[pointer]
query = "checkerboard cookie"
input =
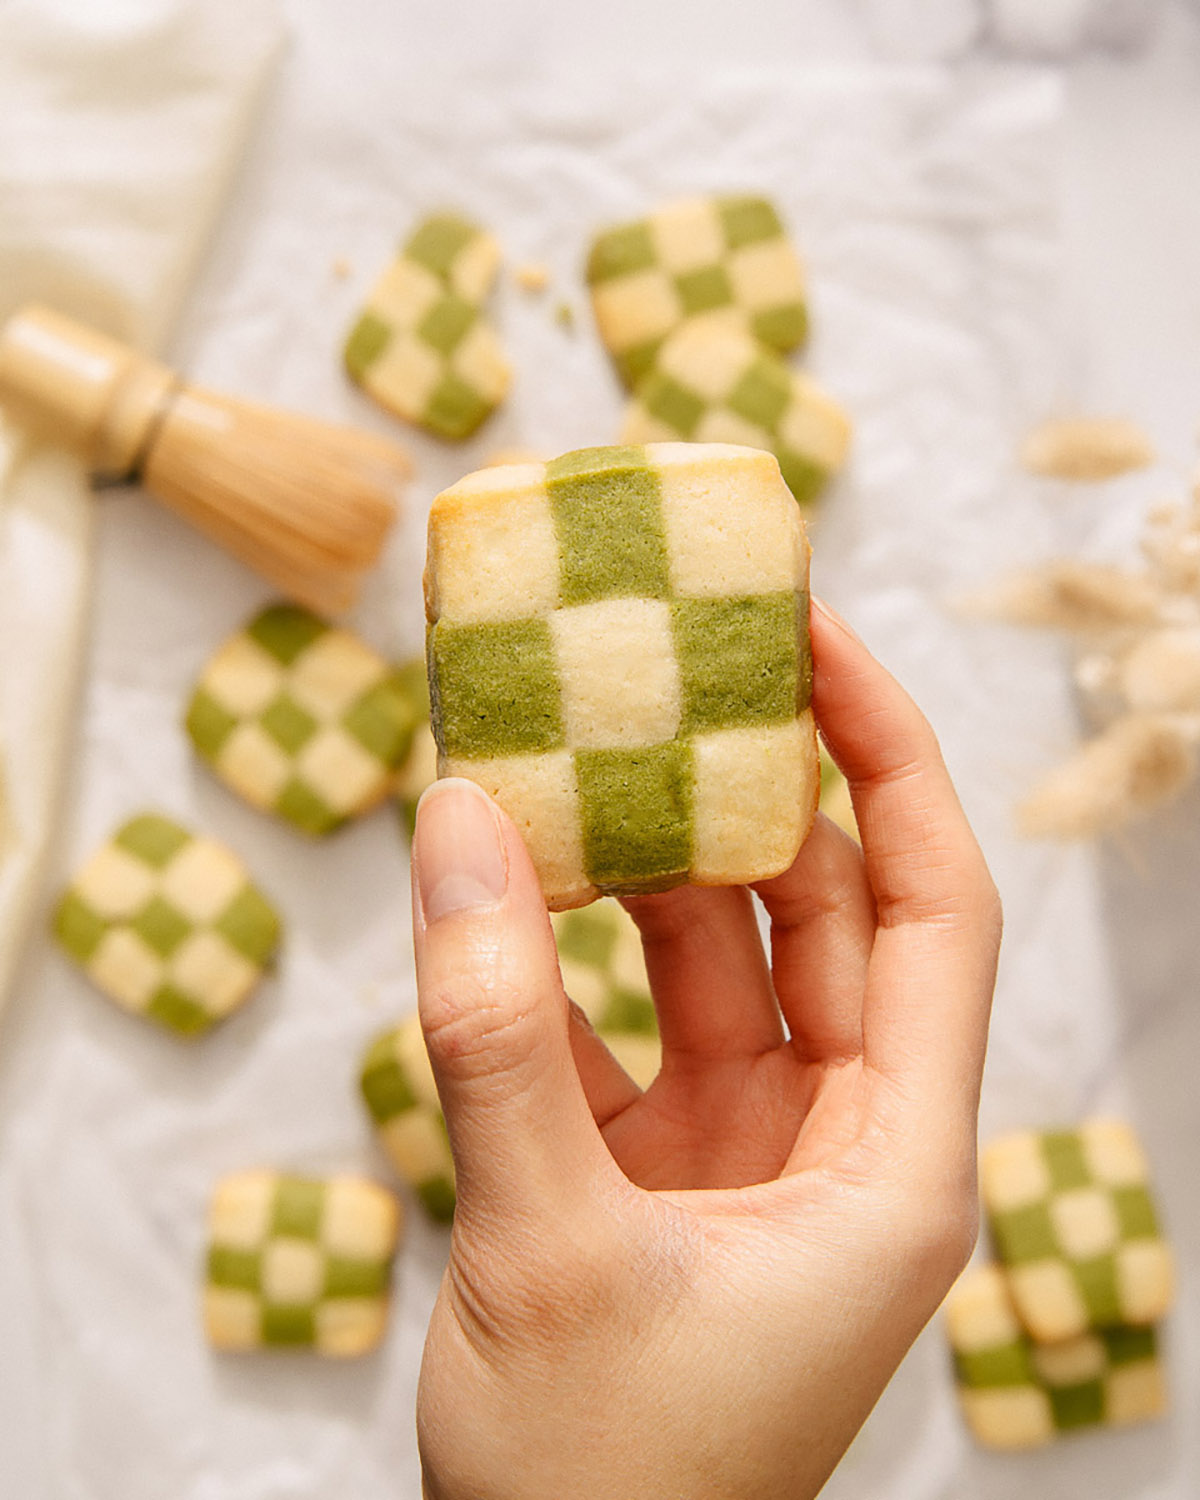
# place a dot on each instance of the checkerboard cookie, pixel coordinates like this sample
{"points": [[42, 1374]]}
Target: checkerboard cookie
{"points": [[168, 924], [720, 385], [1016, 1393], [604, 972], [722, 261], [1075, 1228], [302, 719], [422, 347], [618, 653], [401, 1098], [299, 1262], [419, 768]]}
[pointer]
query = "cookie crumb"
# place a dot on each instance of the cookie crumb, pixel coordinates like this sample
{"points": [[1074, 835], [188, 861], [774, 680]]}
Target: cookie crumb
{"points": [[533, 276]]}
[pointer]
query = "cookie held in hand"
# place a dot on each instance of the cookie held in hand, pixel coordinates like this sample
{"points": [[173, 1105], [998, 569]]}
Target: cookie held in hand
{"points": [[618, 653]]}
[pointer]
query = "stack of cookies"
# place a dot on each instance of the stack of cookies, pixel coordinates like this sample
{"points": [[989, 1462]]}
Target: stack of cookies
{"points": [[1061, 1332], [698, 303]]}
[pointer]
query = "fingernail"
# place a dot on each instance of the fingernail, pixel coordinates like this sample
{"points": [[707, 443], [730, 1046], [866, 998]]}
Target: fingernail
{"points": [[831, 614], [458, 853]]}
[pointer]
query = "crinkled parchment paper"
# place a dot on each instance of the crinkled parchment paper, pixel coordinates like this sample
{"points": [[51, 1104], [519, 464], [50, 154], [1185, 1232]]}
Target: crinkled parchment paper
{"points": [[925, 208]]}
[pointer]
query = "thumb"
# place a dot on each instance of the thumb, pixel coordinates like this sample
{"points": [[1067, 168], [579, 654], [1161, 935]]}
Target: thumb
{"points": [[495, 1015]]}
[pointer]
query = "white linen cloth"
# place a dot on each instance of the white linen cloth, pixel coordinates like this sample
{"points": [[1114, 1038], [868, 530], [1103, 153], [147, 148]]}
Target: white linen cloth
{"points": [[120, 126]]}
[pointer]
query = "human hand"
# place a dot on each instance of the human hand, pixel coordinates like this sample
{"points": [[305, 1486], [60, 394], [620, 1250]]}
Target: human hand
{"points": [[700, 1291]]}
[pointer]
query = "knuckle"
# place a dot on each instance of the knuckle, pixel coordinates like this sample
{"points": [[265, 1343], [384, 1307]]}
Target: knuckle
{"points": [[472, 1022]]}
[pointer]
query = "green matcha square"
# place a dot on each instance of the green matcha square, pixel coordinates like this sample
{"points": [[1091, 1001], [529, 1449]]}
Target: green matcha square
{"points": [[1096, 1279], [368, 339], [161, 927], [739, 662], [496, 688], [285, 630], [1025, 1234], [447, 323], [636, 812], [782, 327], [607, 508], [230, 1267], [673, 403], [289, 725], [622, 252], [762, 394], [702, 291], [297, 1208], [437, 242], [746, 220], [306, 809], [208, 724], [286, 1326], [170, 1007], [78, 928], [455, 409], [152, 838], [250, 925]]}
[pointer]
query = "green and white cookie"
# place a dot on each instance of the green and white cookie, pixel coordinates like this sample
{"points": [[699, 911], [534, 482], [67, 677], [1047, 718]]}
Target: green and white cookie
{"points": [[401, 1097], [618, 651], [1075, 1228], [1016, 1393], [419, 769], [720, 385], [168, 924], [299, 1262], [422, 346], [302, 719], [718, 262], [604, 972]]}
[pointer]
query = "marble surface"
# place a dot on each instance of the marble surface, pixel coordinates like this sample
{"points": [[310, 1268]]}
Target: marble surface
{"points": [[1066, 277]]}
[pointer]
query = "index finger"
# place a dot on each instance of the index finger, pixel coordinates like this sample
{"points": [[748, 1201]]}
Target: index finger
{"points": [[933, 963]]}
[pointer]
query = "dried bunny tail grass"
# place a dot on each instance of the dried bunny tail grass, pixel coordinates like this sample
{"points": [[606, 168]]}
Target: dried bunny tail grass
{"points": [[1086, 448], [1160, 673], [1137, 764], [1082, 597], [307, 504]]}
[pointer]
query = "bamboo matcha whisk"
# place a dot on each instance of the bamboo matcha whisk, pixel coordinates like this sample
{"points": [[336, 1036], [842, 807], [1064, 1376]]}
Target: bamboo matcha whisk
{"points": [[306, 504]]}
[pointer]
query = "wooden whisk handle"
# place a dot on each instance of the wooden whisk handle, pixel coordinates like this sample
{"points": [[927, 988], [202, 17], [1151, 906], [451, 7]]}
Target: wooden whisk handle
{"points": [[82, 389]]}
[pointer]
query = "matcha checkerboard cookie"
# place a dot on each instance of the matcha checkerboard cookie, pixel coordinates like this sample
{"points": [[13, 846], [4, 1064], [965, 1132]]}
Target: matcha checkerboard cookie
{"points": [[422, 347], [401, 1098], [604, 972], [1016, 1393], [302, 719], [722, 261], [1075, 1228], [299, 1262], [618, 653], [719, 385], [168, 924], [419, 767]]}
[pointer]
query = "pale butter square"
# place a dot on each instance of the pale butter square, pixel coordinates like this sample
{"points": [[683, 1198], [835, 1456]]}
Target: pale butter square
{"points": [[115, 883], [755, 794], [126, 968], [618, 673], [203, 879], [716, 550], [494, 555]]}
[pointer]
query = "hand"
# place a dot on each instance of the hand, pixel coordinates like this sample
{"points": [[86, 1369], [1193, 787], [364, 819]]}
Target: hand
{"points": [[700, 1291]]}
